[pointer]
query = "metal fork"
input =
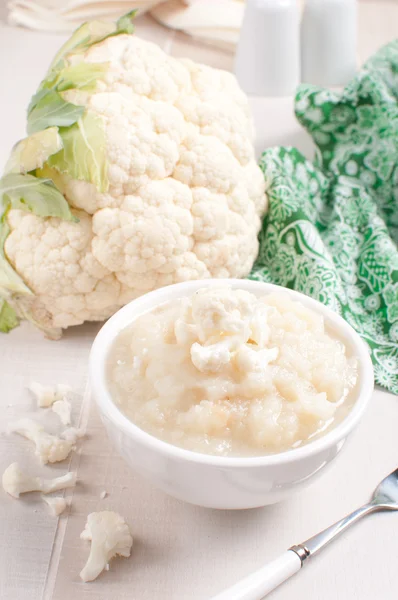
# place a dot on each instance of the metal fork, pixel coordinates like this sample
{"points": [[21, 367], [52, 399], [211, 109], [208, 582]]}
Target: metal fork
{"points": [[262, 582]]}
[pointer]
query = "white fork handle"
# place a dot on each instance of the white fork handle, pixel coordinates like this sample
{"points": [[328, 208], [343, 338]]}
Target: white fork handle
{"points": [[262, 582]]}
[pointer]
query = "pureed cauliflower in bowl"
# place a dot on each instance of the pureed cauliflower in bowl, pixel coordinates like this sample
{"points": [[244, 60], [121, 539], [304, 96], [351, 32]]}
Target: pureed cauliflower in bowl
{"points": [[226, 372], [230, 393]]}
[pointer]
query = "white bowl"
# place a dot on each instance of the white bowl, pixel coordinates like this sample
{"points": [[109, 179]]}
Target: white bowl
{"points": [[217, 481]]}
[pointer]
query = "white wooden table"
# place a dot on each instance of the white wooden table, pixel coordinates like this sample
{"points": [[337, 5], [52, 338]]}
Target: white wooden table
{"points": [[181, 552]]}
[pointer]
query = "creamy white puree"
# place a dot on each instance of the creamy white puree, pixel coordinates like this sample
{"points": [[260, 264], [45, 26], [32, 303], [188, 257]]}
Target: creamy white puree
{"points": [[225, 372]]}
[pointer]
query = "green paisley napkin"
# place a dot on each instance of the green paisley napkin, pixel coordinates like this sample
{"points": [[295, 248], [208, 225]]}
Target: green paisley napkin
{"points": [[332, 227]]}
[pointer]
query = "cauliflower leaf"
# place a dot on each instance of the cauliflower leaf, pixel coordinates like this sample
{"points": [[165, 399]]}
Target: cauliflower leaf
{"points": [[83, 156], [8, 317], [47, 107], [52, 110], [84, 152], [10, 281], [125, 23], [82, 76], [90, 33], [32, 152], [85, 36], [33, 194]]}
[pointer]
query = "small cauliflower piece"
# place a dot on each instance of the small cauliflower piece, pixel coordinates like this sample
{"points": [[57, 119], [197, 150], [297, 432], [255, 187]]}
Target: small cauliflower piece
{"points": [[224, 323], [16, 482], [57, 504], [49, 448], [103, 494], [110, 536], [63, 409], [72, 434], [210, 359], [46, 395]]}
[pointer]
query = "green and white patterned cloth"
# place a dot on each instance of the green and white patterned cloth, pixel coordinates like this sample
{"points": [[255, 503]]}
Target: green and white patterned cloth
{"points": [[332, 227]]}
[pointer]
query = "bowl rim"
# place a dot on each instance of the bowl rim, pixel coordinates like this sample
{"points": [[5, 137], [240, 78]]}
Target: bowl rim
{"points": [[137, 307]]}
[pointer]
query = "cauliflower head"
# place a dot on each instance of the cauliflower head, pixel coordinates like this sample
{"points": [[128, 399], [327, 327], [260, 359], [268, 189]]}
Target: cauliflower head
{"points": [[154, 158]]}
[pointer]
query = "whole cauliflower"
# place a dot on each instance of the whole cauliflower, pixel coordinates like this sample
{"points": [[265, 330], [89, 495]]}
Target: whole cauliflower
{"points": [[158, 167]]}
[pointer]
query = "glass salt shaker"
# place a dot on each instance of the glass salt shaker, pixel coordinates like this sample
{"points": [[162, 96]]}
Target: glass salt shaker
{"points": [[267, 61], [329, 42]]}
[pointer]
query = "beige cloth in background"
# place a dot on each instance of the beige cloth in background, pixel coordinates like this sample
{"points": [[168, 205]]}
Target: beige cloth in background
{"points": [[60, 16], [216, 22]]}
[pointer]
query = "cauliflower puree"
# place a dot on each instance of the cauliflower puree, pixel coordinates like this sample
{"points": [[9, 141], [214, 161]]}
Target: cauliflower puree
{"points": [[225, 372]]}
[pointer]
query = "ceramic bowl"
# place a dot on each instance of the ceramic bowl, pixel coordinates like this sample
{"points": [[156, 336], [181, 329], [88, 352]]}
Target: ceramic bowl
{"points": [[217, 481]]}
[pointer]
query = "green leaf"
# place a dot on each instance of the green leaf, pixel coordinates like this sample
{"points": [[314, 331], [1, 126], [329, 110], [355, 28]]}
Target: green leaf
{"points": [[83, 156], [125, 23], [88, 34], [8, 317], [91, 33], [83, 76], [32, 152], [31, 194], [85, 36], [36, 98], [53, 110], [10, 281]]}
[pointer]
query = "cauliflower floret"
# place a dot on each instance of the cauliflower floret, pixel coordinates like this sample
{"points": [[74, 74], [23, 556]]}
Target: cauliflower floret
{"points": [[63, 409], [225, 323], [54, 397], [56, 504], [185, 195], [72, 434], [210, 359], [219, 313], [58, 266], [49, 448], [46, 395], [16, 482], [110, 536]]}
